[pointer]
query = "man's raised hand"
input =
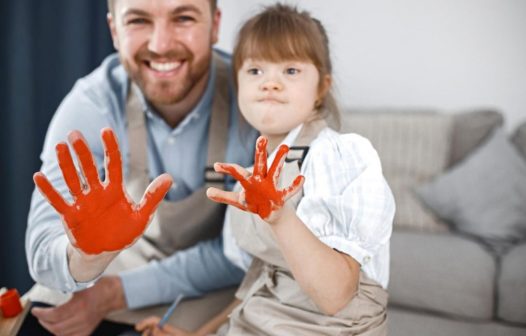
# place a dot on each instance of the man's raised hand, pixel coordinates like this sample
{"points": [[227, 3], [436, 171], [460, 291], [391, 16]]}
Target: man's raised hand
{"points": [[101, 218]]}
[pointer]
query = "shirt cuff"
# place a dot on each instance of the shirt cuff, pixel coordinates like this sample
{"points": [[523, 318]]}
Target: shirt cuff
{"points": [[351, 248], [140, 287], [59, 254]]}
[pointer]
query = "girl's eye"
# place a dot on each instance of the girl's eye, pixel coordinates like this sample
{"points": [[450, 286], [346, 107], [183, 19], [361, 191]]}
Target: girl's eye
{"points": [[292, 71], [254, 71]]}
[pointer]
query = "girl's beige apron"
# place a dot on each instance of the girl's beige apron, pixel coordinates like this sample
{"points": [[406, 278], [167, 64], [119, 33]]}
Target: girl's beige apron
{"points": [[273, 303], [176, 225]]}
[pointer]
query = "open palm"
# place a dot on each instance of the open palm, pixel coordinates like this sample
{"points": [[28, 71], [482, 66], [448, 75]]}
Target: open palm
{"points": [[101, 218], [260, 194]]}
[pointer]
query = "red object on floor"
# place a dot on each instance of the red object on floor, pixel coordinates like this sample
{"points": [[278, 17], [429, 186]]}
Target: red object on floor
{"points": [[10, 303]]}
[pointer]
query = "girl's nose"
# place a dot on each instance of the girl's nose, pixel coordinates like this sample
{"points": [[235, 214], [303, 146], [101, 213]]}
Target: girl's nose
{"points": [[271, 84]]}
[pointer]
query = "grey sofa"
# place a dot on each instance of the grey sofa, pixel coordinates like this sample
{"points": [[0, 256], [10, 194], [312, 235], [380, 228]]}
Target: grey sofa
{"points": [[443, 281]]}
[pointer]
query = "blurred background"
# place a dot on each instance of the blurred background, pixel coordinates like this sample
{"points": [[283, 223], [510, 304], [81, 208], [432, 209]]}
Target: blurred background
{"points": [[447, 54]]}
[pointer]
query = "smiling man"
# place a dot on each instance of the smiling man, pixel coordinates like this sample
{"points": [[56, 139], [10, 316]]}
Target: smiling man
{"points": [[168, 96]]}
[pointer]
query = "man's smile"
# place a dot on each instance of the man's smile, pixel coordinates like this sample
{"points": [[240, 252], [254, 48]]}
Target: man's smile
{"points": [[164, 69]]}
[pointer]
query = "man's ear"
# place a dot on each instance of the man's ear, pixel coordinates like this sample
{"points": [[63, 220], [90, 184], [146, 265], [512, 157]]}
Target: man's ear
{"points": [[216, 21], [113, 30]]}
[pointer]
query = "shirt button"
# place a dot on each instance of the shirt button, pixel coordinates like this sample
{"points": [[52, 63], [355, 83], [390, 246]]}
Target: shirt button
{"points": [[171, 140], [366, 259]]}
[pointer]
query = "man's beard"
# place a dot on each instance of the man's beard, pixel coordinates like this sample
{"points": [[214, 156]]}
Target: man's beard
{"points": [[168, 92]]}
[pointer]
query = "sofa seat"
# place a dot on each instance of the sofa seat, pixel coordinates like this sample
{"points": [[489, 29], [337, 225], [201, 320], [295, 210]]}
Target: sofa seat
{"points": [[512, 286], [402, 322], [442, 273]]}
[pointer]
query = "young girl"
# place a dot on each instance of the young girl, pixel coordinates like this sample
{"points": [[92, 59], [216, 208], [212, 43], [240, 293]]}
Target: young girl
{"points": [[313, 234]]}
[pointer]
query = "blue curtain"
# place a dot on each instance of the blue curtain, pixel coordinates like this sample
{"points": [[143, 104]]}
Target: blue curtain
{"points": [[44, 47]]}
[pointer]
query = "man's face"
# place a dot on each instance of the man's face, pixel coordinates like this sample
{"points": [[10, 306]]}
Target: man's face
{"points": [[165, 45]]}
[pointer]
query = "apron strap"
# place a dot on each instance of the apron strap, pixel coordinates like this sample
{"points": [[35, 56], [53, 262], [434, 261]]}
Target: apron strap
{"points": [[218, 129], [137, 137], [299, 150]]}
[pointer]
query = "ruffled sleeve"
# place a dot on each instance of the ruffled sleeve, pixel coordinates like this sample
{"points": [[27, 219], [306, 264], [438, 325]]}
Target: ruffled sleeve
{"points": [[347, 203]]}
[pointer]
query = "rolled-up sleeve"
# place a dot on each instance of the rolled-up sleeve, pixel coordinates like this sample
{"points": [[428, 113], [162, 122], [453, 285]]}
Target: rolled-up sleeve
{"points": [[347, 203]]}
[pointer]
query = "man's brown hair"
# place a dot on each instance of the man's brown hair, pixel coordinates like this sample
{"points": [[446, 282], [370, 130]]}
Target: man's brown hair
{"points": [[111, 5]]}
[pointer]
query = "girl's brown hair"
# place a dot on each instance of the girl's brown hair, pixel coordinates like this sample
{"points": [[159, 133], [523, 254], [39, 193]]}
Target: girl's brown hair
{"points": [[283, 33]]}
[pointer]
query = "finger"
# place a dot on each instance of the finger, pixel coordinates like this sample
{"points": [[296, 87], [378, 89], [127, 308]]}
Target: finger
{"points": [[68, 327], [226, 197], [53, 314], [154, 194], [277, 164], [147, 322], [169, 330], [166, 330], [234, 170], [50, 193], [49, 327], [260, 157], [112, 157], [296, 186], [87, 163], [68, 169]]}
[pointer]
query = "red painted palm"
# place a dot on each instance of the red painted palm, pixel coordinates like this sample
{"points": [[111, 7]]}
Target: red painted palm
{"points": [[260, 194], [101, 218]]}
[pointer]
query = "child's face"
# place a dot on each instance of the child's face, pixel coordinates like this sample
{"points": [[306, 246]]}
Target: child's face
{"points": [[276, 97]]}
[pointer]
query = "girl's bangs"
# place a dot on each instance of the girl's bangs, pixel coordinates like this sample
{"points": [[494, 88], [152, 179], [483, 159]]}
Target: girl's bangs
{"points": [[274, 44]]}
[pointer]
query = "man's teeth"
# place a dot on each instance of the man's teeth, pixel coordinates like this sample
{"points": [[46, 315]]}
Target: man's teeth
{"points": [[164, 67]]}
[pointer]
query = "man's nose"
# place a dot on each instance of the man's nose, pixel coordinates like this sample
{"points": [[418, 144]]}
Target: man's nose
{"points": [[161, 39]]}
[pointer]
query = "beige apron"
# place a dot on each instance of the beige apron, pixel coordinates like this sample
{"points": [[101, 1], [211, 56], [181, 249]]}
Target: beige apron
{"points": [[176, 225], [273, 303], [181, 224]]}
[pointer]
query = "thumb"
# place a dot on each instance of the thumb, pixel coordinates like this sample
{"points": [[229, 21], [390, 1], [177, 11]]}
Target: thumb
{"points": [[293, 188], [154, 194]]}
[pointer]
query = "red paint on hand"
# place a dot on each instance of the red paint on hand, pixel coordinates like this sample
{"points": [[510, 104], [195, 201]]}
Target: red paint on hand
{"points": [[102, 218], [260, 195]]}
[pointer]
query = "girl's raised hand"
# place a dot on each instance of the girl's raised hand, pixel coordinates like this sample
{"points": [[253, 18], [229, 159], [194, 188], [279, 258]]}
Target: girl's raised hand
{"points": [[101, 217], [259, 194]]}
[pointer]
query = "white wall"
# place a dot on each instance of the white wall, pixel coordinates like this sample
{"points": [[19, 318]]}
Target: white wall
{"points": [[446, 54]]}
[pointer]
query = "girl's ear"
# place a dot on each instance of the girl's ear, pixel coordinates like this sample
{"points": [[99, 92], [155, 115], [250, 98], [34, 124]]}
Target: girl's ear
{"points": [[324, 87]]}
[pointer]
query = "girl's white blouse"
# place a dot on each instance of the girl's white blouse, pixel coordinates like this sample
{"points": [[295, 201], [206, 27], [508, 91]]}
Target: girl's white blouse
{"points": [[347, 203]]}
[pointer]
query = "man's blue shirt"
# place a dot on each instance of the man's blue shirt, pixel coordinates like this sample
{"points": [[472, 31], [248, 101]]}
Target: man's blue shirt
{"points": [[97, 101]]}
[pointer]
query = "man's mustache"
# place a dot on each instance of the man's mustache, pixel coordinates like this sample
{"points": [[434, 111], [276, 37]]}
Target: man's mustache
{"points": [[176, 54]]}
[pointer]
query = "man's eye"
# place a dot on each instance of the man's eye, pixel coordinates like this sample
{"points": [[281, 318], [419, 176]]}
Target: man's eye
{"points": [[292, 71], [184, 19], [137, 21], [254, 71]]}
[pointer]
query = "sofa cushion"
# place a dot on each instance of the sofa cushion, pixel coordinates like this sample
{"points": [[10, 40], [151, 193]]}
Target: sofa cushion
{"points": [[402, 322], [442, 272], [512, 285], [519, 138], [485, 194], [413, 148], [470, 129]]}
